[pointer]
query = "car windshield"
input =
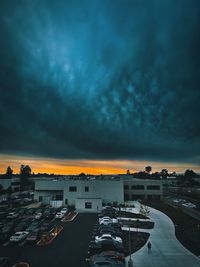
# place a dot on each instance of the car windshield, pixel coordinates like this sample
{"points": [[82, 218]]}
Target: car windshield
{"points": [[17, 234]]}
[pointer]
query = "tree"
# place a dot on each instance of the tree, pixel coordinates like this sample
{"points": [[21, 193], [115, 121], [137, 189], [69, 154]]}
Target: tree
{"points": [[128, 172], [148, 169], [189, 174], [9, 172], [25, 173], [144, 210], [164, 173], [155, 175]]}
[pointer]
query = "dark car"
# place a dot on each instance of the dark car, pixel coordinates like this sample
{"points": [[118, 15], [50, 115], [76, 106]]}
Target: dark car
{"points": [[7, 229], [33, 237], [105, 261], [4, 262], [48, 215], [105, 245], [119, 256], [4, 237], [20, 227]]}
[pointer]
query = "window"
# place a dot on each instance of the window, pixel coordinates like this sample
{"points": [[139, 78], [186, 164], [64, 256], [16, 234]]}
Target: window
{"points": [[88, 205], [137, 187], [126, 197], [126, 187], [86, 188], [72, 189], [59, 197], [66, 201], [153, 187]]}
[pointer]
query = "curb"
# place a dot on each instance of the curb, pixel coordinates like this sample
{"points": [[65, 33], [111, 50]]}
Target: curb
{"points": [[71, 219], [51, 235]]}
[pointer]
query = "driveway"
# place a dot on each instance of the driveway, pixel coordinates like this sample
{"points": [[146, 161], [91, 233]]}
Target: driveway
{"points": [[167, 251]]}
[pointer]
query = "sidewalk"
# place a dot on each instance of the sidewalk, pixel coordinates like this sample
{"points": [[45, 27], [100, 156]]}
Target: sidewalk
{"points": [[167, 251]]}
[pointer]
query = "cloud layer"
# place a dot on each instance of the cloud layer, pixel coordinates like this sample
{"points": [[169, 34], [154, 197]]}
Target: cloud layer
{"points": [[100, 79]]}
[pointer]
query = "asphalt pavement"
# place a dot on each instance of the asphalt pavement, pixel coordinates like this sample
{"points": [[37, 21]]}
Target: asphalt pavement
{"points": [[69, 249]]}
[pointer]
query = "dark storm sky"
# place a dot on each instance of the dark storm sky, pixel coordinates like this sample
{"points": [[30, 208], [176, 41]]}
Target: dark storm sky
{"points": [[107, 79]]}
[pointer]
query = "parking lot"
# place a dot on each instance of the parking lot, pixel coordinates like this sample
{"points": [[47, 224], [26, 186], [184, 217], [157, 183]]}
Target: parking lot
{"points": [[69, 248]]}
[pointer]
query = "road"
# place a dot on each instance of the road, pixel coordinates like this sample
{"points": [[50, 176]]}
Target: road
{"points": [[68, 249], [167, 251]]}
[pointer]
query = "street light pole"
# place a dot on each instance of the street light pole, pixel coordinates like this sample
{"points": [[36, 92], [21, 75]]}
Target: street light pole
{"points": [[130, 262]]}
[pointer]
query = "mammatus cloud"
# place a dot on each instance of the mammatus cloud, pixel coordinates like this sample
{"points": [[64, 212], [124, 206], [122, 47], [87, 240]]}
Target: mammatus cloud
{"points": [[101, 79]]}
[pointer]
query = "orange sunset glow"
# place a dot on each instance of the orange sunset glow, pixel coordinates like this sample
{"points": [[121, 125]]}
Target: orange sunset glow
{"points": [[64, 166]]}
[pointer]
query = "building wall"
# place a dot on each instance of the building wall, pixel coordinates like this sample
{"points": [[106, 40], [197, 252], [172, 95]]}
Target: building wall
{"points": [[139, 188], [95, 204], [108, 190], [5, 183]]}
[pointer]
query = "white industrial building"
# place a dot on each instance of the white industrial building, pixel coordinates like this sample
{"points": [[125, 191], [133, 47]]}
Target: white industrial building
{"points": [[89, 194]]}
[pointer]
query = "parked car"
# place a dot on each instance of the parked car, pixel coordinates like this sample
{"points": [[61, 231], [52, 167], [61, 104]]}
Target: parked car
{"points": [[189, 205], [105, 245], [7, 228], [64, 210], [38, 215], [4, 262], [120, 256], [106, 261], [105, 218], [105, 221], [19, 236], [48, 215], [20, 227], [60, 215], [107, 237], [107, 258], [12, 215], [32, 226], [32, 237]]}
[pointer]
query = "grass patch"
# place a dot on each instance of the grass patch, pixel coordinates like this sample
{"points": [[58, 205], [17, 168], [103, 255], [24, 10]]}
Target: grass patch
{"points": [[138, 240], [128, 214], [138, 224]]}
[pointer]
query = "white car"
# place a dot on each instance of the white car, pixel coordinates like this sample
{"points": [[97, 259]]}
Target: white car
{"points": [[189, 205], [107, 237], [38, 215], [60, 215], [18, 236], [105, 218], [64, 210], [105, 221]]}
